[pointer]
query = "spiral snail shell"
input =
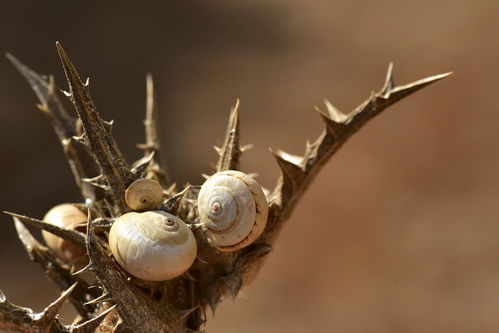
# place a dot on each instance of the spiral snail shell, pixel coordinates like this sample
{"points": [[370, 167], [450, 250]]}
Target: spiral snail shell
{"points": [[153, 245], [65, 216], [144, 194], [233, 208]]}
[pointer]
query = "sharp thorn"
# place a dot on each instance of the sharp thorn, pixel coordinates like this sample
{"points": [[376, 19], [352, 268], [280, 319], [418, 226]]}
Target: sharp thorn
{"points": [[333, 127], [172, 204], [389, 81], [335, 114], [218, 150], [230, 150], [50, 312], [29, 242], [95, 286], [90, 325], [247, 147], [233, 284], [139, 168], [290, 158], [184, 313], [90, 267], [414, 86], [102, 298], [67, 234], [213, 301]]}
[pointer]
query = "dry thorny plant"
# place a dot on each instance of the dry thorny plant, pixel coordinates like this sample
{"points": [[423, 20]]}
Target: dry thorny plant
{"points": [[106, 297]]}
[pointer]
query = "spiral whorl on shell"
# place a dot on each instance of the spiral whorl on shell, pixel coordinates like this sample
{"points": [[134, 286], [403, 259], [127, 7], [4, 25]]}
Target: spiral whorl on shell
{"points": [[144, 194], [153, 246], [233, 208]]}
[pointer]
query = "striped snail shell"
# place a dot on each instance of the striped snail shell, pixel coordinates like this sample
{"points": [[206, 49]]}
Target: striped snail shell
{"points": [[233, 208], [65, 216], [153, 245]]}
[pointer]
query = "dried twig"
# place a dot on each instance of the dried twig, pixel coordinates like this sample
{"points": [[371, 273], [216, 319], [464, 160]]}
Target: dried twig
{"points": [[14, 318], [157, 168], [231, 149], [297, 172], [97, 136], [65, 126]]}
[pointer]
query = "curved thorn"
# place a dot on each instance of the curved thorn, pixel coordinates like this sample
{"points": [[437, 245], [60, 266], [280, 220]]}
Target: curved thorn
{"points": [[90, 325], [48, 315], [70, 235], [389, 81]]}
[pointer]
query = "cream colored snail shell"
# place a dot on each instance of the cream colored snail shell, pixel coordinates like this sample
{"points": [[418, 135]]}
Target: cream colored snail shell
{"points": [[65, 216], [233, 208], [153, 245], [144, 194]]}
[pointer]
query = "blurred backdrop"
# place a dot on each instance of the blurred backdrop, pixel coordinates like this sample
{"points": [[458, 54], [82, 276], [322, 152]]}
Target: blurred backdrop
{"points": [[399, 233]]}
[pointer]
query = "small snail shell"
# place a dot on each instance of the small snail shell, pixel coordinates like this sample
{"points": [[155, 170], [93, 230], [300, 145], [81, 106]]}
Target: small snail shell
{"points": [[234, 209], [144, 194], [65, 216], [153, 246]]}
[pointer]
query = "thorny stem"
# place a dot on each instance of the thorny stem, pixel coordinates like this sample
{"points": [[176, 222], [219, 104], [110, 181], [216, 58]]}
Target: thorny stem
{"points": [[97, 136], [231, 149], [156, 168], [65, 127], [57, 271], [297, 172], [177, 305]]}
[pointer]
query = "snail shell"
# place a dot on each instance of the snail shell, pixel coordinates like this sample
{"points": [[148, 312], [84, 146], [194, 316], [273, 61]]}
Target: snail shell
{"points": [[233, 208], [65, 216], [153, 246], [144, 194]]}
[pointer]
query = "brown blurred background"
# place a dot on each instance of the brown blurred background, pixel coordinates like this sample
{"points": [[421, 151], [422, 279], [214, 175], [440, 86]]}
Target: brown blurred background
{"points": [[400, 231]]}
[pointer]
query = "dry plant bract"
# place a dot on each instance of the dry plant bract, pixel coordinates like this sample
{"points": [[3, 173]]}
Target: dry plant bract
{"points": [[235, 225]]}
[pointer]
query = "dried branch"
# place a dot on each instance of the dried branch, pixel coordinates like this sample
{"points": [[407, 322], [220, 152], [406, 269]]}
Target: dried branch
{"points": [[157, 168], [59, 273], [297, 172], [70, 235], [14, 318], [65, 126], [97, 136]]}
